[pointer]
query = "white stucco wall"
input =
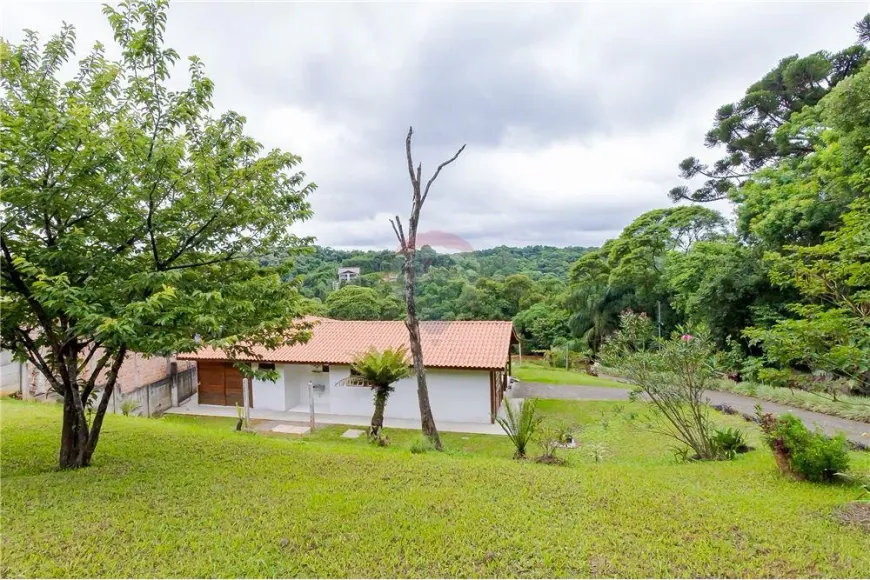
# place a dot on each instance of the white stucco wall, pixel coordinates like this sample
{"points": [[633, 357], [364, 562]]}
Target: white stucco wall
{"points": [[455, 395], [292, 380], [356, 401], [296, 387], [269, 394]]}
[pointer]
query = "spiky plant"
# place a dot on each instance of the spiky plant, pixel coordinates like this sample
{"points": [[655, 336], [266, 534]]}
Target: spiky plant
{"points": [[520, 423]]}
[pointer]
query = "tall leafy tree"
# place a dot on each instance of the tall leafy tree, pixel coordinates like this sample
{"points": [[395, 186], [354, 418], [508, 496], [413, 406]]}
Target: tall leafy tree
{"points": [[541, 325], [354, 302], [629, 271], [830, 326], [750, 129], [798, 200], [132, 216], [832, 329], [724, 286]]}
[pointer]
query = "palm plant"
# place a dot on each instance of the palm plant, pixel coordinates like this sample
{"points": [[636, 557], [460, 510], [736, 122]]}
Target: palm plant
{"points": [[520, 423], [596, 310], [379, 370]]}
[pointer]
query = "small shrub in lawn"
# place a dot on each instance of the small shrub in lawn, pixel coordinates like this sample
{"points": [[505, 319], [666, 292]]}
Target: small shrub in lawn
{"points": [[805, 454], [422, 444], [552, 437], [379, 439], [597, 452], [728, 442], [128, 406], [520, 423]]}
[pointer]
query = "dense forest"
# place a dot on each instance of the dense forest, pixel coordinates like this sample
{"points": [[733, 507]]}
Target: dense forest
{"points": [[528, 285], [782, 289], [785, 289]]}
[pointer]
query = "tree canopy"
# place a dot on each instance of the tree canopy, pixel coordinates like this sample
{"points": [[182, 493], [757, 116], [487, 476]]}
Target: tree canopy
{"points": [[755, 132], [132, 215]]}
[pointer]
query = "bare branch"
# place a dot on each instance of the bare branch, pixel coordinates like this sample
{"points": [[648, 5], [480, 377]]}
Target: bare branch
{"points": [[400, 234], [437, 171], [410, 159], [92, 380], [417, 182]]}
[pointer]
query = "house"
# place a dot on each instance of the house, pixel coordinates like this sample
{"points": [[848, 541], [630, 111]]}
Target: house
{"points": [[347, 274], [467, 366]]}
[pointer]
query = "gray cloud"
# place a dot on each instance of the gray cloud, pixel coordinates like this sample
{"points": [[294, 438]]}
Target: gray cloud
{"points": [[575, 115]]}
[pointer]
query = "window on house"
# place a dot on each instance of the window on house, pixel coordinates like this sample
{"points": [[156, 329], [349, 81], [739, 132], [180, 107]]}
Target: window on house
{"points": [[325, 369], [267, 366]]}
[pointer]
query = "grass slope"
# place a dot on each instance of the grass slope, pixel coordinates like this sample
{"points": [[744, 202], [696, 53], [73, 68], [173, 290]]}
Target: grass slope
{"points": [[539, 373], [189, 497]]}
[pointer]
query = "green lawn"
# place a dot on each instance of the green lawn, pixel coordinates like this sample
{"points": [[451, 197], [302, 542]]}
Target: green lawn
{"points": [[539, 373], [183, 497]]}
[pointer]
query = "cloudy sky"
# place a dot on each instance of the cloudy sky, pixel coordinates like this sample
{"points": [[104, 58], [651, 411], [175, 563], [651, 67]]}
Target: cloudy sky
{"points": [[574, 115]]}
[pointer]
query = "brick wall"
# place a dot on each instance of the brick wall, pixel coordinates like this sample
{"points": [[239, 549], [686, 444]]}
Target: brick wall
{"points": [[137, 371]]}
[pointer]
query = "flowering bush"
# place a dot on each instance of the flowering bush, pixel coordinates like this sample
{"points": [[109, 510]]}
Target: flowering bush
{"points": [[673, 374]]}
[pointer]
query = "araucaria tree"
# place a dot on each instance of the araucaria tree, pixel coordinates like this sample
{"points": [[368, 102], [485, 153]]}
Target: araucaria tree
{"points": [[131, 216], [379, 370], [408, 248]]}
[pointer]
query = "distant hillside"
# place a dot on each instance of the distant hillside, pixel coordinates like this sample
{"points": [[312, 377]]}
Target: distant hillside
{"points": [[318, 269]]}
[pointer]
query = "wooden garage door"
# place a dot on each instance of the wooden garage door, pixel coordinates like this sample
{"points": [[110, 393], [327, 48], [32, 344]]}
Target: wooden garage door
{"points": [[220, 384]]}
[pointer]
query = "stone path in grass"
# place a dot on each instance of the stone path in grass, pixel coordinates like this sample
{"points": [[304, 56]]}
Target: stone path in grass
{"points": [[855, 431]]}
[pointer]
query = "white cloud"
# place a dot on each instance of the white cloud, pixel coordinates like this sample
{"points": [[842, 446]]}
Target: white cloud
{"points": [[576, 115]]}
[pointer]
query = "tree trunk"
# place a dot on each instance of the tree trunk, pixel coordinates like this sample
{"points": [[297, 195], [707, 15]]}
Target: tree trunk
{"points": [[426, 418], [78, 440], [408, 247], [378, 416], [73, 436]]}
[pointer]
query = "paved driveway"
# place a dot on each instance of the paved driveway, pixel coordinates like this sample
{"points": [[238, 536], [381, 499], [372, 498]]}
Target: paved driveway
{"points": [[855, 430]]}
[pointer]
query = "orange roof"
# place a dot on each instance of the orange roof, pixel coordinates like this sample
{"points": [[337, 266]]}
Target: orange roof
{"points": [[455, 344]]}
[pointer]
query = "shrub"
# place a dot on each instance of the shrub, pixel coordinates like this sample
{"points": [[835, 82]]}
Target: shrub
{"points": [[422, 444], [520, 423], [805, 454], [751, 368], [673, 374], [128, 406], [559, 357], [728, 442], [598, 452], [552, 436]]}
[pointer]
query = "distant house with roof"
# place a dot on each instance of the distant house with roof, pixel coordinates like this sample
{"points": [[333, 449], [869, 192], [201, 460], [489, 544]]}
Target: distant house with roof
{"points": [[467, 366], [347, 274]]}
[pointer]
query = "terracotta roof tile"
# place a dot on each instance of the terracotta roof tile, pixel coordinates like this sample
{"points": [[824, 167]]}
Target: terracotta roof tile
{"points": [[454, 344]]}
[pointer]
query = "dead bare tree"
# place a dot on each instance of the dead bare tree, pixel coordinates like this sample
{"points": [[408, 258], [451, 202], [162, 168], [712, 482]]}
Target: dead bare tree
{"points": [[408, 248]]}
